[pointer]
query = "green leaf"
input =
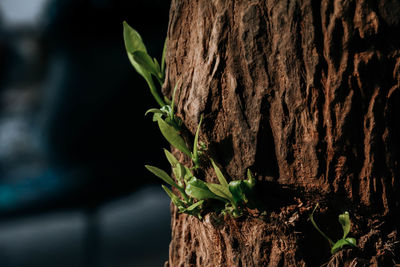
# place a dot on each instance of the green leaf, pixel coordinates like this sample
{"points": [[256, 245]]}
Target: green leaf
{"points": [[174, 198], [167, 110], [179, 172], [195, 156], [195, 205], [143, 72], [171, 158], [248, 185], [198, 189], [338, 245], [133, 40], [219, 174], [173, 137], [163, 57], [221, 191], [157, 116], [154, 111], [250, 182], [167, 100], [145, 62], [157, 66], [344, 220], [134, 43], [173, 101], [178, 169], [187, 174], [341, 243], [160, 74], [236, 189], [352, 241], [162, 174]]}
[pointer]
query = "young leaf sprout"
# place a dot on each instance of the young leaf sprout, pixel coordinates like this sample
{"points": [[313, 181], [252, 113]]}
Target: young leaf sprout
{"points": [[344, 220], [142, 62]]}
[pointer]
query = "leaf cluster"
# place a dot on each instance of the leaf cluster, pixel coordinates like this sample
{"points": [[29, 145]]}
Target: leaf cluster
{"points": [[192, 191], [235, 193], [185, 203]]}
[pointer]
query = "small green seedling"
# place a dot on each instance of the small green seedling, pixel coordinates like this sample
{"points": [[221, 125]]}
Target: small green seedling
{"points": [[344, 220]]}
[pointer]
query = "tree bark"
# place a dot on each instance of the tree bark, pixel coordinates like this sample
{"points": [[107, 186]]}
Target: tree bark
{"points": [[306, 94]]}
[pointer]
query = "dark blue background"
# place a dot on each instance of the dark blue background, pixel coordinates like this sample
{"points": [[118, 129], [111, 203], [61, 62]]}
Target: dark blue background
{"points": [[74, 139]]}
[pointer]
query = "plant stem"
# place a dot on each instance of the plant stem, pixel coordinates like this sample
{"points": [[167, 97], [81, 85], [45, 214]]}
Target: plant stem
{"points": [[183, 193], [319, 230], [154, 92]]}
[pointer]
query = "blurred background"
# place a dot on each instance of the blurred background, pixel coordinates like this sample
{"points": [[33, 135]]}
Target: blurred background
{"points": [[74, 139]]}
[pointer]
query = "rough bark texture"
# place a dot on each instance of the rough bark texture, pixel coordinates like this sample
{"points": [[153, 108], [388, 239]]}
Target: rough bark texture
{"points": [[306, 95]]}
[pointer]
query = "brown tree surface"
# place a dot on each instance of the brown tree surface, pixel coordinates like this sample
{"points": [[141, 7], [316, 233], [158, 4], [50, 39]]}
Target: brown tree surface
{"points": [[305, 94]]}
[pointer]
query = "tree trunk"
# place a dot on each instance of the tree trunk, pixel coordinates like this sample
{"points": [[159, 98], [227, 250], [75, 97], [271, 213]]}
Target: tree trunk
{"points": [[306, 94]]}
